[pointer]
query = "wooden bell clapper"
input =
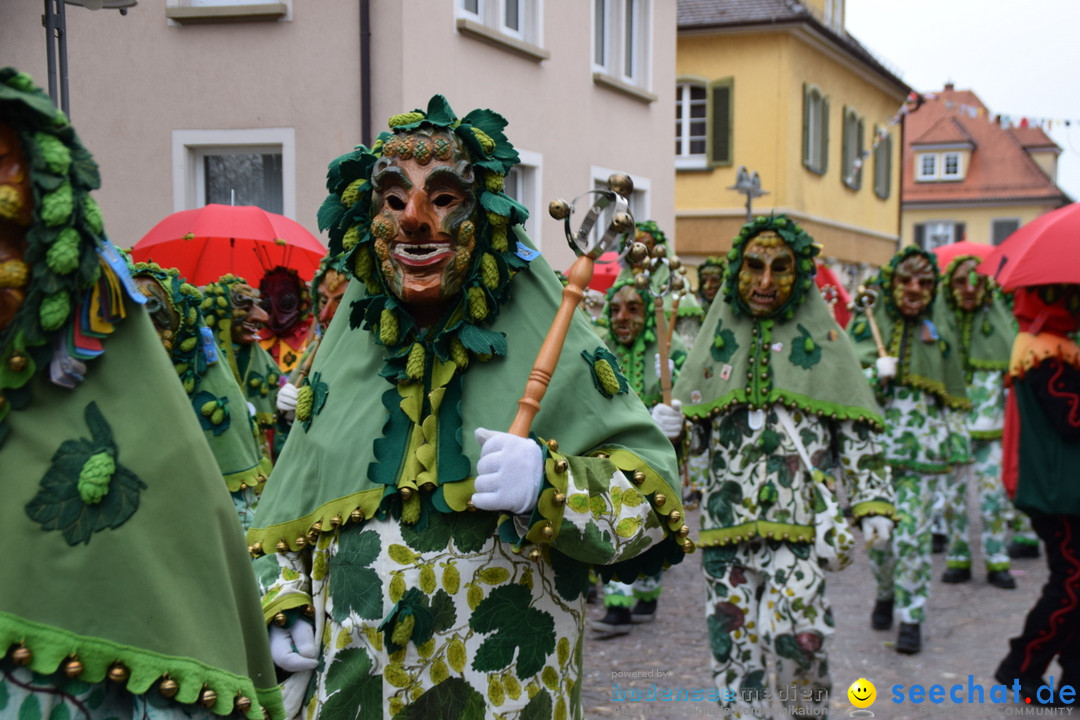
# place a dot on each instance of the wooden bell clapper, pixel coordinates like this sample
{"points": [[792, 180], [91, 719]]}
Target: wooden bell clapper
{"points": [[610, 208]]}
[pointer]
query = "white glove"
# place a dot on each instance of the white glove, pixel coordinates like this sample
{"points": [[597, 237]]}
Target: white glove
{"points": [[670, 365], [294, 649], [886, 367], [877, 529], [286, 399], [509, 472], [669, 418]]}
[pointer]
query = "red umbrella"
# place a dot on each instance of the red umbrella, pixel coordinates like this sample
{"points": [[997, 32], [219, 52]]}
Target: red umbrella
{"points": [[1045, 251], [245, 240], [605, 271], [947, 253], [835, 294]]}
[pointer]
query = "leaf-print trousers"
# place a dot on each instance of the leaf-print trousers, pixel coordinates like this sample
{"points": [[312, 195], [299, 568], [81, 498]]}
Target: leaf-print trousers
{"points": [[902, 568], [985, 472], [766, 603]]}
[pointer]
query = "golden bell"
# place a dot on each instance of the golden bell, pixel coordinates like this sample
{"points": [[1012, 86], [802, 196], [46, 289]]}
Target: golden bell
{"points": [[675, 517], [603, 455], [561, 466], [118, 672], [638, 252], [308, 611], [659, 251], [335, 522], [659, 499], [3, 401], [256, 550], [17, 362], [73, 667], [281, 546], [207, 697], [428, 487], [535, 555], [553, 445], [548, 532], [684, 531], [639, 477], [280, 619], [243, 486], [356, 515], [559, 499], [22, 655], [301, 542], [674, 262], [168, 687], [622, 222], [621, 183], [559, 209], [688, 546], [242, 704], [406, 493], [470, 507], [641, 282]]}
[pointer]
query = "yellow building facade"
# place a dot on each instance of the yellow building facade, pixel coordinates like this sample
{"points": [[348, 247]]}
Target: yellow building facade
{"points": [[804, 102]]}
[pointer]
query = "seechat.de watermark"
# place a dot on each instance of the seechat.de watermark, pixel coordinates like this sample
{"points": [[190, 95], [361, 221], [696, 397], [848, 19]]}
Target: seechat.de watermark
{"points": [[1047, 699]]}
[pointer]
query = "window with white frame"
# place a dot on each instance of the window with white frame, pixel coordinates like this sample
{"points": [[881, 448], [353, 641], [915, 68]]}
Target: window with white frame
{"points": [[1002, 228], [235, 167], [202, 11], [938, 233], [834, 14], [621, 40], [815, 129], [691, 124], [516, 19], [523, 184], [934, 166]]}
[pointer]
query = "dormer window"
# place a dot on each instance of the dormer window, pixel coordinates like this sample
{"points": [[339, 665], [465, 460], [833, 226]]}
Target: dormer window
{"points": [[939, 166]]}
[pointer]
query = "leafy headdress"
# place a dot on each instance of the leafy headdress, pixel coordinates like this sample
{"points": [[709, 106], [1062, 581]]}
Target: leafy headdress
{"points": [[348, 214], [801, 244], [65, 247], [184, 303], [709, 262]]}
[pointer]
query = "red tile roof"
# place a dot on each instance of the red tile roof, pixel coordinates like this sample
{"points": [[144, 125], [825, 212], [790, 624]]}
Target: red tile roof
{"points": [[1033, 138], [999, 170]]}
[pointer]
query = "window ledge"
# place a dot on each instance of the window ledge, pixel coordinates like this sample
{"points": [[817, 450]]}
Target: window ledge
{"points": [[692, 164], [483, 33], [613, 83], [271, 11]]}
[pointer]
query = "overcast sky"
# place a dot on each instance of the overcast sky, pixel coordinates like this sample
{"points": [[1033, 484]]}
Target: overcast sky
{"points": [[1021, 59]]}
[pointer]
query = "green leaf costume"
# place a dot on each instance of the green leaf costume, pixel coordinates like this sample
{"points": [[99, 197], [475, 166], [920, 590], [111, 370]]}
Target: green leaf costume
{"points": [[416, 598], [117, 523]]}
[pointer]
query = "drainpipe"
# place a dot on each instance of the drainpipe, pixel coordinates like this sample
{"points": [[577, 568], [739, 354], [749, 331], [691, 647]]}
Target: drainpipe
{"points": [[365, 72]]}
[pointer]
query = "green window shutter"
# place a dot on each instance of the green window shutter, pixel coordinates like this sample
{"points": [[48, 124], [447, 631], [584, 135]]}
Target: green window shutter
{"points": [[860, 143], [959, 232], [824, 135], [805, 125], [846, 147], [883, 168], [721, 94], [920, 235]]}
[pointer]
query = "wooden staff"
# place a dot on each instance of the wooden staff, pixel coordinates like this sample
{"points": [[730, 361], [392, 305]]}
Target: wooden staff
{"points": [[663, 350], [547, 358], [865, 300], [674, 319]]}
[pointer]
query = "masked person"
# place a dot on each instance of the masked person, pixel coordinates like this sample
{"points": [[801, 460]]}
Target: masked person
{"points": [[287, 303], [985, 328], [421, 561], [218, 402], [920, 384], [633, 342], [1041, 448], [128, 593], [777, 381], [710, 274], [231, 308]]}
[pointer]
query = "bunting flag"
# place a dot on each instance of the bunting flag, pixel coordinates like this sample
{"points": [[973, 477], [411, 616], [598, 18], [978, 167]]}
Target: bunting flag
{"points": [[915, 100]]}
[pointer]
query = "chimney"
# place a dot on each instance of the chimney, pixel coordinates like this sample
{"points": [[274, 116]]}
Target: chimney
{"points": [[949, 87]]}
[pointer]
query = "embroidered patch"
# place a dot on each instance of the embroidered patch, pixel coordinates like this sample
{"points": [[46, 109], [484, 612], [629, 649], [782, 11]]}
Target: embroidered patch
{"points": [[606, 374], [724, 344], [213, 411], [312, 397], [804, 351], [833, 336], [777, 347], [725, 372], [695, 397], [86, 489]]}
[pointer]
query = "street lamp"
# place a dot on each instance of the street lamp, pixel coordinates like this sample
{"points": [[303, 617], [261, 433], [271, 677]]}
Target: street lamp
{"points": [[750, 184], [55, 23]]}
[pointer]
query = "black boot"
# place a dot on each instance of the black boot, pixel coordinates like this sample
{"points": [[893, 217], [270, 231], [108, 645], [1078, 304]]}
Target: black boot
{"points": [[939, 542], [644, 611], [956, 575], [616, 622], [1023, 550], [1001, 579], [909, 639], [882, 616]]}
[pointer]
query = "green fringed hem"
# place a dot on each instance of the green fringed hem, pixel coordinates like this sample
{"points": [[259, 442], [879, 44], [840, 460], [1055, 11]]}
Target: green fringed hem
{"points": [[920, 467], [50, 647], [284, 603], [994, 567], [692, 311], [937, 389], [987, 434], [792, 401], [958, 564], [756, 528], [296, 534], [873, 507], [650, 595], [253, 477], [626, 601], [998, 365]]}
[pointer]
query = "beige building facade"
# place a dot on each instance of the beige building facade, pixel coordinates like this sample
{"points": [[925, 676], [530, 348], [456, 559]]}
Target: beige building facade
{"points": [[185, 102]]}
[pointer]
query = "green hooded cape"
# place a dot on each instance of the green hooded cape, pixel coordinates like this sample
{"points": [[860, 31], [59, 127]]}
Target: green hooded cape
{"points": [[987, 333]]}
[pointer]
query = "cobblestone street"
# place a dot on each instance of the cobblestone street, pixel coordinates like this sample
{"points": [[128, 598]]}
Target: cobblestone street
{"points": [[965, 635]]}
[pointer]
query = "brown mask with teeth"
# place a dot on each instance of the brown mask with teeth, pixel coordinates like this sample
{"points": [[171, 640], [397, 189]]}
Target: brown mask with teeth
{"points": [[15, 208], [767, 274], [424, 225], [247, 316]]}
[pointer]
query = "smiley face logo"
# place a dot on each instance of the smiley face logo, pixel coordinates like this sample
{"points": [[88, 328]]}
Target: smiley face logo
{"points": [[862, 693]]}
